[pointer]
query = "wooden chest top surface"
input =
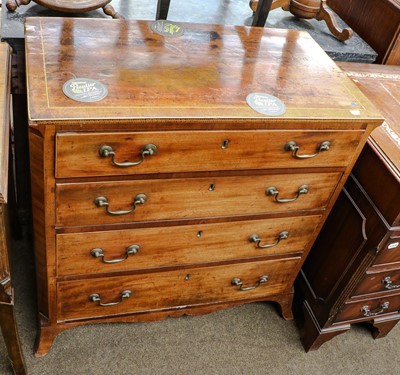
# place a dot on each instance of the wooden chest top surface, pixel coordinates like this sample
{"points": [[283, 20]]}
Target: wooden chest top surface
{"points": [[206, 73], [381, 83]]}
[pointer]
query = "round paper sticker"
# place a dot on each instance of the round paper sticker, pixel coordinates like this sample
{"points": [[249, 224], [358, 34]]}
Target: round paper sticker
{"points": [[266, 104], [167, 28], [85, 90]]}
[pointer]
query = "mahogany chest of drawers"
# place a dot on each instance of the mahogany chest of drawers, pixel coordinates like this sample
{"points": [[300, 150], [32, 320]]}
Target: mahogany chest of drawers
{"points": [[171, 195], [352, 274]]}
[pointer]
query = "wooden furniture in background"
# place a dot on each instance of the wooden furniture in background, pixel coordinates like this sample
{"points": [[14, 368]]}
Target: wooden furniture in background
{"points": [[309, 9], [8, 323], [261, 10], [352, 274], [68, 5], [377, 22], [171, 195]]}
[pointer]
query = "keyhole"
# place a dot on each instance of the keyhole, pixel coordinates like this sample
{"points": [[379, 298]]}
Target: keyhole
{"points": [[225, 144], [212, 187], [199, 233], [187, 277]]}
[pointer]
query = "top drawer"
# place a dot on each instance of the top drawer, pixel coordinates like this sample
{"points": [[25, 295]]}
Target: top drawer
{"points": [[98, 154], [390, 251]]}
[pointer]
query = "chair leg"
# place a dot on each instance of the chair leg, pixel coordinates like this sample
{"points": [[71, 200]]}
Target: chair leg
{"points": [[11, 338], [261, 13], [162, 9]]}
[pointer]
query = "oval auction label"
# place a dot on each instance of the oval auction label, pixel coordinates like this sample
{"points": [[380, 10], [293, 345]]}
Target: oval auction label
{"points": [[85, 90], [266, 104], [167, 28]]}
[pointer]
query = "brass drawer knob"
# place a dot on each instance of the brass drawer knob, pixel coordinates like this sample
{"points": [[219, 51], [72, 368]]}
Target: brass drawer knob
{"points": [[96, 298], [257, 240], [292, 146], [107, 151], [367, 312], [103, 202], [238, 282], [99, 253], [272, 190]]}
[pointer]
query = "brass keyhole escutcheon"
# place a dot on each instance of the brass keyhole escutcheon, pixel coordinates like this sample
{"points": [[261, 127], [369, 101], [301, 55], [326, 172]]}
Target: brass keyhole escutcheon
{"points": [[225, 144]]}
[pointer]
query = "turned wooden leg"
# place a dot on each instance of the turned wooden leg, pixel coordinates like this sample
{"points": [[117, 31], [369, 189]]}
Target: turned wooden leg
{"points": [[328, 16], [313, 336], [162, 9], [110, 11], [382, 328], [11, 338]]}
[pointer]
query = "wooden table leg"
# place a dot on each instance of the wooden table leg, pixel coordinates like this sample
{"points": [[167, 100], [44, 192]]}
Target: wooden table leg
{"points": [[162, 9], [261, 13]]}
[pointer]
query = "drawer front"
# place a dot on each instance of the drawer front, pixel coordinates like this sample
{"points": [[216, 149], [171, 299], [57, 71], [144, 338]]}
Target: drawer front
{"points": [[169, 199], [97, 252], [179, 289], [379, 282], [369, 309], [390, 252], [85, 154]]}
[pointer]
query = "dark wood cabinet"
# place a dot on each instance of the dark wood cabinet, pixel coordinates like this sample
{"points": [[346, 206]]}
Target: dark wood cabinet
{"points": [[377, 22], [352, 274]]}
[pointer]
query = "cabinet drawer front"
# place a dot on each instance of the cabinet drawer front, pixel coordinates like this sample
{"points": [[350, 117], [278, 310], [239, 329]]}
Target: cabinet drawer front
{"points": [[390, 251], [78, 253], [79, 155], [169, 199], [369, 309], [163, 290], [379, 282]]}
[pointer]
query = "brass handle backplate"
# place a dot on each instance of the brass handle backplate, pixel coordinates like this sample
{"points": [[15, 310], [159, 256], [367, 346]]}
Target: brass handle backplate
{"points": [[272, 190], [257, 240], [103, 202], [388, 283], [107, 151], [238, 282], [96, 298], [292, 146], [99, 253], [367, 312]]}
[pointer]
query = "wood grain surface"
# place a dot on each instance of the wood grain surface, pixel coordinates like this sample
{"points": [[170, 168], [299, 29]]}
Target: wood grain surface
{"points": [[206, 73], [207, 184]]}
